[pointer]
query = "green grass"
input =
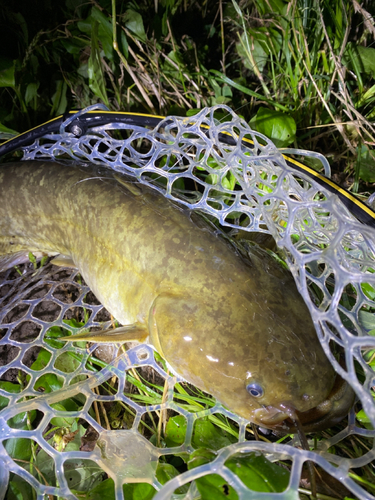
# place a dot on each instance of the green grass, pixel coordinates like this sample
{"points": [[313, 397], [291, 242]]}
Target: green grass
{"points": [[303, 70]]}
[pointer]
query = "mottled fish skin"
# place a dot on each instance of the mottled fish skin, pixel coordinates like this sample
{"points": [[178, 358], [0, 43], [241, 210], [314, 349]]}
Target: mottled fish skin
{"points": [[220, 321]]}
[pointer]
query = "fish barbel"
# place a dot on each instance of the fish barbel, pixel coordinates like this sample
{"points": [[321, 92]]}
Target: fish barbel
{"points": [[236, 328]]}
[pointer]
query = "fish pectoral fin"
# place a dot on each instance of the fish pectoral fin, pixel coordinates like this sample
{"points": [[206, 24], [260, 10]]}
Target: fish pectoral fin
{"points": [[63, 261], [128, 333]]}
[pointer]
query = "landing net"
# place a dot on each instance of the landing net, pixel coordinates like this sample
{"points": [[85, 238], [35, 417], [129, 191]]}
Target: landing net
{"points": [[246, 184]]}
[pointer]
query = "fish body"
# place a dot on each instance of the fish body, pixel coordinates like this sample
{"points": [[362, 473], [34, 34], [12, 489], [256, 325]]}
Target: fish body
{"points": [[236, 328]]}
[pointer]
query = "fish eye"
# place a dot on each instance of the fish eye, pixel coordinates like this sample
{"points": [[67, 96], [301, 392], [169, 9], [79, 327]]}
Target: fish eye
{"points": [[255, 390]]}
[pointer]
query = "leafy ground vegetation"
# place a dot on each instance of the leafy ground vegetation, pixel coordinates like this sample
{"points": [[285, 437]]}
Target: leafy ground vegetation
{"points": [[301, 72]]}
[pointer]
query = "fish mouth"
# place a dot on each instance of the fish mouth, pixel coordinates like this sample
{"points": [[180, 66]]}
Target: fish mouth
{"points": [[328, 413]]}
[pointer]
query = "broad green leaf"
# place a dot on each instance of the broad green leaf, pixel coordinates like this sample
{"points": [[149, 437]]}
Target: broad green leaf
{"points": [[31, 92], [7, 78], [124, 44], [212, 179], [368, 290], [175, 56], [279, 127], [75, 45], [367, 96], [82, 475], [229, 181], [363, 58], [46, 465], [369, 355], [258, 473], [19, 489], [215, 487], [74, 323], [367, 320], [207, 435], [7, 133], [48, 382], [364, 419], [139, 491], [200, 457], [59, 100], [3, 402], [66, 363], [223, 93], [34, 65], [95, 70], [272, 7], [10, 387], [74, 404], [270, 39], [366, 162], [19, 448], [254, 470], [192, 112], [105, 32], [85, 26], [42, 360], [259, 55], [23, 24], [175, 431], [134, 22], [61, 421], [53, 335], [220, 100], [104, 490], [20, 421], [166, 472], [216, 87]]}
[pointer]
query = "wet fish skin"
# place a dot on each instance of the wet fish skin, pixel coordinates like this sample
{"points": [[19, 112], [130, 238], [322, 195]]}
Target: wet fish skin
{"points": [[221, 322]]}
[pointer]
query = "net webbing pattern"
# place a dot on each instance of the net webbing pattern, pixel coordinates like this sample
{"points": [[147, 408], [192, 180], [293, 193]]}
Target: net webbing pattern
{"points": [[329, 252]]}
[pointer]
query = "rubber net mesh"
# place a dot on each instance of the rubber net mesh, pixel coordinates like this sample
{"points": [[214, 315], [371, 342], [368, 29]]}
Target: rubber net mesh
{"points": [[332, 258]]}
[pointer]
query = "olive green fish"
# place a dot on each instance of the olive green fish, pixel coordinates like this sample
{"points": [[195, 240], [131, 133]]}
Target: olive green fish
{"points": [[236, 328]]}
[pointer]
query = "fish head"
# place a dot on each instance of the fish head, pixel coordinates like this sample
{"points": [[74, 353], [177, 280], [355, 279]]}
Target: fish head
{"points": [[260, 370]]}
